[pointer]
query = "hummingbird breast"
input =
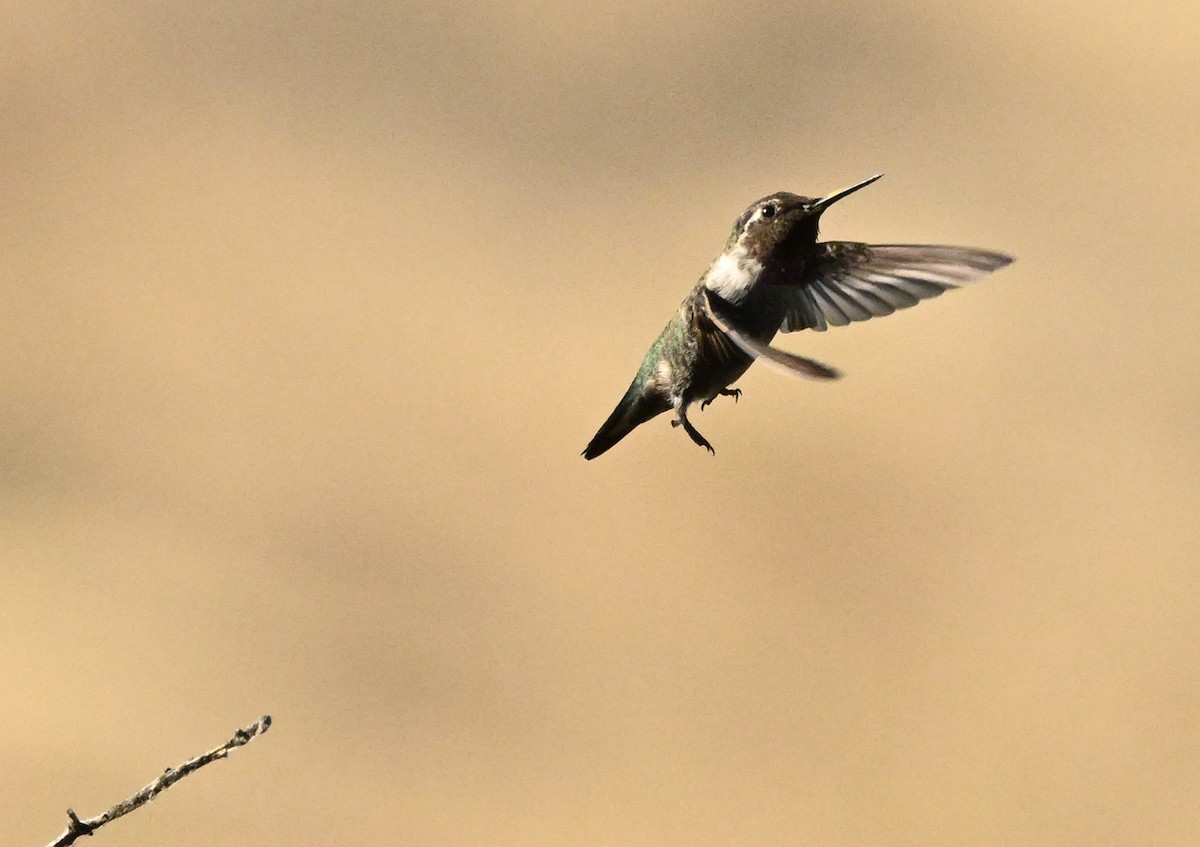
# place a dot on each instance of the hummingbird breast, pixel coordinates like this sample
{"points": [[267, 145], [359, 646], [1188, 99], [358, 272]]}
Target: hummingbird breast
{"points": [[707, 360], [733, 275]]}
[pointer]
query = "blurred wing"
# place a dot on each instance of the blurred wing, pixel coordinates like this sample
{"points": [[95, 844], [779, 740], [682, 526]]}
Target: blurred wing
{"points": [[861, 281], [786, 362]]}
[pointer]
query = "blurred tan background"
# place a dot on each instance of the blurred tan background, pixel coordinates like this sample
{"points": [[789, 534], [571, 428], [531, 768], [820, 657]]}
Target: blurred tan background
{"points": [[309, 308]]}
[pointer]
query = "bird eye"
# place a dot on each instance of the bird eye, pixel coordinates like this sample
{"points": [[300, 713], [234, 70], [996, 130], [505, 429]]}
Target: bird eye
{"points": [[769, 210]]}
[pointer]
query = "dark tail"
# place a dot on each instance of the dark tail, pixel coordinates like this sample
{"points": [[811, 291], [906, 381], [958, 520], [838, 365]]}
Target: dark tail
{"points": [[634, 410]]}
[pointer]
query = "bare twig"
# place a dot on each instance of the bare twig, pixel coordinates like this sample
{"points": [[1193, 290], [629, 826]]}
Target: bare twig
{"points": [[77, 827]]}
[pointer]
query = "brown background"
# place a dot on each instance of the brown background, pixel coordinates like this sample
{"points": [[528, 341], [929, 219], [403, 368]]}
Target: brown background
{"points": [[309, 308]]}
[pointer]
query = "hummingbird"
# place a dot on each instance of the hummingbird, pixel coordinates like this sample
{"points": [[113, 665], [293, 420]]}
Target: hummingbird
{"points": [[775, 276]]}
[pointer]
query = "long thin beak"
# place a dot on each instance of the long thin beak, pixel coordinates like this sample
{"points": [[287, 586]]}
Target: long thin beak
{"points": [[825, 202]]}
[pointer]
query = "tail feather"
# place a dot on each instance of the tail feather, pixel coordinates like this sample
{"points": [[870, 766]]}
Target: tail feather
{"points": [[634, 410]]}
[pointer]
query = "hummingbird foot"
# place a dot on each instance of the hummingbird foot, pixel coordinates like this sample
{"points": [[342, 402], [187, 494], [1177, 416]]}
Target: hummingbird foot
{"points": [[692, 432], [735, 393]]}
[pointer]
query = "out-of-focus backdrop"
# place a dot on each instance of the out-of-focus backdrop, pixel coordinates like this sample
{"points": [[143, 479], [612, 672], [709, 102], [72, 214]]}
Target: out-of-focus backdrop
{"points": [[308, 309]]}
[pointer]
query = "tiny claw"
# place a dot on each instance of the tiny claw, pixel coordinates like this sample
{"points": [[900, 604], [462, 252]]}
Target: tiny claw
{"points": [[735, 393], [695, 435]]}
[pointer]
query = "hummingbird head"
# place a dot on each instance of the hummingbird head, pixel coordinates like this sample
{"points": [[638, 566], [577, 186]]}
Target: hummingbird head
{"points": [[782, 220], [777, 228]]}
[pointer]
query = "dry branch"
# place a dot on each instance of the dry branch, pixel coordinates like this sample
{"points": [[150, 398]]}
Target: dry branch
{"points": [[86, 826]]}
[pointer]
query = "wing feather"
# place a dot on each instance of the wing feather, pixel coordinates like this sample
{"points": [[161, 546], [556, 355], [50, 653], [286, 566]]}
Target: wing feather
{"points": [[781, 360], [856, 282]]}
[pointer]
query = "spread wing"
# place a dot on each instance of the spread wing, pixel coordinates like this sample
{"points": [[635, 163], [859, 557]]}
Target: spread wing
{"points": [[856, 282], [781, 360]]}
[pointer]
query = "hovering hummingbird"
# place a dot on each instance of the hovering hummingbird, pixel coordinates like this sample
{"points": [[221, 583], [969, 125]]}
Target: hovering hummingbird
{"points": [[775, 276]]}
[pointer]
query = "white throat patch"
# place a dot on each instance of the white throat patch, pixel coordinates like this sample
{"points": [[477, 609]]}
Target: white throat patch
{"points": [[732, 275]]}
